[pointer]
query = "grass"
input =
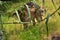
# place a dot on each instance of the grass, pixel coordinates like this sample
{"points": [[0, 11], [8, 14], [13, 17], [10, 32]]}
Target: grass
{"points": [[37, 32]]}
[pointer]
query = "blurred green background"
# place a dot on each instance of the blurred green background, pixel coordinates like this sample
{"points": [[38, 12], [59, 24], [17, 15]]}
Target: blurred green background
{"points": [[37, 32]]}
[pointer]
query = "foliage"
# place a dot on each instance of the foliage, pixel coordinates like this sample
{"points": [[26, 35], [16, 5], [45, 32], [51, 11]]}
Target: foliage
{"points": [[37, 32], [2, 6]]}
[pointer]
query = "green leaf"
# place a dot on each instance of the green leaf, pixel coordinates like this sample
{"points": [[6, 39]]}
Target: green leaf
{"points": [[3, 7], [18, 15], [1, 21], [53, 3], [43, 1], [47, 19], [0, 2], [29, 15]]}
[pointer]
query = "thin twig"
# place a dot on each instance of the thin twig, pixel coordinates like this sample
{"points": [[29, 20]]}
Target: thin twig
{"points": [[51, 14]]}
